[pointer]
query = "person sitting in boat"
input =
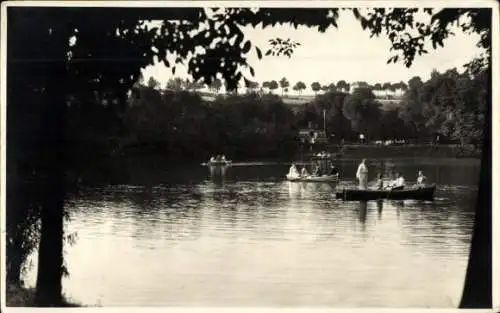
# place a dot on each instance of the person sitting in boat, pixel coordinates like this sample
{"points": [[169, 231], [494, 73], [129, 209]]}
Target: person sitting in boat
{"points": [[223, 158], [217, 159], [293, 172], [379, 184], [304, 172], [317, 170], [398, 183], [333, 169], [421, 178], [212, 159]]}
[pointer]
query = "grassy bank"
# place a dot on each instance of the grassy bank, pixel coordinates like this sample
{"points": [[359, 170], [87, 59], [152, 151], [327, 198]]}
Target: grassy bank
{"points": [[443, 151], [25, 297]]}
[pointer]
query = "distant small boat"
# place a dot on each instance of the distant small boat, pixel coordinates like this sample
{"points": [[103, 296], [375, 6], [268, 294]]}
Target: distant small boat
{"points": [[314, 179], [218, 163], [325, 156], [410, 193]]}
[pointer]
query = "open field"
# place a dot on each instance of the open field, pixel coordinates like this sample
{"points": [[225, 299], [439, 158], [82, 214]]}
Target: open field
{"points": [[298, 100]]}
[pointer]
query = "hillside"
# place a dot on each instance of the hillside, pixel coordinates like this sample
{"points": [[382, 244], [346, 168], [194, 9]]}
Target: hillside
{"points": [[297, 100]]}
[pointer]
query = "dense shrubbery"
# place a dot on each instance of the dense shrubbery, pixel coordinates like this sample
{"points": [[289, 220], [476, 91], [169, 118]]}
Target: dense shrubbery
{"points": [[449, 104], [182, 125]]}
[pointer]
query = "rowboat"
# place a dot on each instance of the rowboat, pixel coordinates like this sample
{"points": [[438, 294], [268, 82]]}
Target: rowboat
{"points": [[218, 163], [413, 193], [326, 156], [314, 179]]}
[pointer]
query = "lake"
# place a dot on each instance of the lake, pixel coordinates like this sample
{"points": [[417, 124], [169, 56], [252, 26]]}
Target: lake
{"points": [[188, 236]]}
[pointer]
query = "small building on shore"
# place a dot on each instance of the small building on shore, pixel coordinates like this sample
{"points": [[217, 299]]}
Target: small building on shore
{"points": [[312, 139]]}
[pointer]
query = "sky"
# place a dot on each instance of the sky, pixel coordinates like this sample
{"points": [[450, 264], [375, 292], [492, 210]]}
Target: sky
{"points": [[344, 53]]}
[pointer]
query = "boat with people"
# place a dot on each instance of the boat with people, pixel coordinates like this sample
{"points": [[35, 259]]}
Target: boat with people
{"points": [[324, 156], [314, 179], [396, 189], [416, 192], [219, 160], [318, 175]]}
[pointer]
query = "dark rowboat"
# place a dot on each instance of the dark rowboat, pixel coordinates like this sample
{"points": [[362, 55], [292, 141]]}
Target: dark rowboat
{"points": [[413, 193]]}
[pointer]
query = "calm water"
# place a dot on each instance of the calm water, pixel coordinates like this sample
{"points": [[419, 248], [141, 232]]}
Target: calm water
{"points": [[174, 236]]}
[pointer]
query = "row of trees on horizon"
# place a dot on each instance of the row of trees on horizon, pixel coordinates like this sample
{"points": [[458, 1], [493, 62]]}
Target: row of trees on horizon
{"points": [[284, 84]]}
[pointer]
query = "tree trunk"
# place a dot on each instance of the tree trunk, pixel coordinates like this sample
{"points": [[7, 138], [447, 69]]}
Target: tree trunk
{"points": [[50, 253], [477, 292], [15, 213], [13, 272]]}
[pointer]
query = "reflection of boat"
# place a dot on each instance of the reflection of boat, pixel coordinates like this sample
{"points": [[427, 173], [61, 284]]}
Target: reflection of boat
{"points": [[218, 170], [415, 193], [294, 190], [314, 179]]}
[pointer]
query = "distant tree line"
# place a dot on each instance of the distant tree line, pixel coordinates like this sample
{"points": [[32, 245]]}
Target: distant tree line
{"points": [[284, 84], [180, 124], [449, 106]]}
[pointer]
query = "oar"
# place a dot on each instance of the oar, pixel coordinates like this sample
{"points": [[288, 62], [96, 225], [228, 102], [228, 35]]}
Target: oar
{"points": [[390, 190], [389, 193]]}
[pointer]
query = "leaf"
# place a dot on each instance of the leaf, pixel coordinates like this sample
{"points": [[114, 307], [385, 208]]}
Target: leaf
{"points": [[252, 71], [173, 70], [269, 52], [356, 13], [259, 53], [363, 24], [247, 46]]}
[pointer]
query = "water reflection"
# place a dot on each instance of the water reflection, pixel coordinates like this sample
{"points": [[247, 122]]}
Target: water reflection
{"points": [[380, 207], [362, 212], [218, 173]]}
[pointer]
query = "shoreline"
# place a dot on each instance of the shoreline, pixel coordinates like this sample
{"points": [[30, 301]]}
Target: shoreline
{"points": [[346, 151]]}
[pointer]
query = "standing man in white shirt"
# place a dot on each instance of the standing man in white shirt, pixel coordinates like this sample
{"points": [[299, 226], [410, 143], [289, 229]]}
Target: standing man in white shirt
{"points": [[362, 175]]}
